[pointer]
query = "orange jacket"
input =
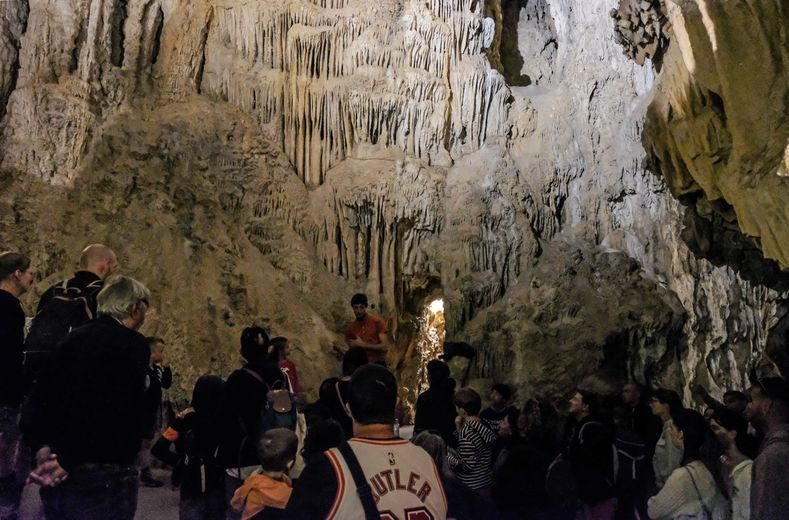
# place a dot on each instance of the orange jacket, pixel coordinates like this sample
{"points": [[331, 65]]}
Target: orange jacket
{"points": [[259, 492]]}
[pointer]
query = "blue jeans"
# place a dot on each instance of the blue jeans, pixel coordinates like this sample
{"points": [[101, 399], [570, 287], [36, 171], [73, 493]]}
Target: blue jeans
{"points": [[94, 492]]}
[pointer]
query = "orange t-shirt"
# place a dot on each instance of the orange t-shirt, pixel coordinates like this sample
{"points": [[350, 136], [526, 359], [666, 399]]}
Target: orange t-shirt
{"points": [[368, 330]]}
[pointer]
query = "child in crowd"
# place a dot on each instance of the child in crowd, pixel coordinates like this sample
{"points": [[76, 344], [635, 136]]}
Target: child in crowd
{"points": [[280, 350], [499, 408], [472, 461], [160, 377], [195, 436], [264, 495]]}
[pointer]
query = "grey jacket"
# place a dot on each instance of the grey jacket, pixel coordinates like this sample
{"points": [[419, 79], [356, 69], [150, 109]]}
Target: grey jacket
{"points": [[770, 480]]}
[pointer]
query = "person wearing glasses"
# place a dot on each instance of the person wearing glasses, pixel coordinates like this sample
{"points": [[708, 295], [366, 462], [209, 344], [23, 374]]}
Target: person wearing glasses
{"points": [[87, 413], [367, 331], [768, 412]]}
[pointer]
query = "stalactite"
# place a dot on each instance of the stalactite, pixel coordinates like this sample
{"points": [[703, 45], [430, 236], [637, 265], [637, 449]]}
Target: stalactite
{"points": [[350, 79]]}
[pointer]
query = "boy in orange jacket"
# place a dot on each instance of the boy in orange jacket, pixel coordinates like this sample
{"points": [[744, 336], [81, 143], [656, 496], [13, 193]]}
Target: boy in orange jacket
{"points": [[264, 495]]}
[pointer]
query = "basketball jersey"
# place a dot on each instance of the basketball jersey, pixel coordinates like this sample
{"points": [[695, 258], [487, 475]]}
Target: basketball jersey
{"points": [[404, 481]]}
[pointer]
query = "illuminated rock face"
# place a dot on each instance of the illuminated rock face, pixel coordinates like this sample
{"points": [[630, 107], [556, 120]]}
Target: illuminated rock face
{"points": [[261, 161]]}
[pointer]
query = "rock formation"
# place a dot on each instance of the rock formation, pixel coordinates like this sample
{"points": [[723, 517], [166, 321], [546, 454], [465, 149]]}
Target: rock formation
{"points": [[642, 29], [261, 161]]}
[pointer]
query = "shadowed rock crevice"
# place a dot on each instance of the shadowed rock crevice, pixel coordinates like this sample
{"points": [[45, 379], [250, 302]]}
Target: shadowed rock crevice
{"points": [[117, 21], [711, 232], [778, 339], [13, 24]]}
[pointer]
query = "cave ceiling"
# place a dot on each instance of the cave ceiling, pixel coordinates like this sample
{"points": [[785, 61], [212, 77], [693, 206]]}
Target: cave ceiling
{"points": [[595, 188]]}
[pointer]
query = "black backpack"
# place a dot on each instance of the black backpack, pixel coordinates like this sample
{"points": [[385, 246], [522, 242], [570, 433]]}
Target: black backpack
{"points": [[67, 309]]}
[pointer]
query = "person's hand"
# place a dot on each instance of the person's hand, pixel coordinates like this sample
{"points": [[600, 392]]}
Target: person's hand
{"points": [[355, 342], [183, 413], [48, 472]]}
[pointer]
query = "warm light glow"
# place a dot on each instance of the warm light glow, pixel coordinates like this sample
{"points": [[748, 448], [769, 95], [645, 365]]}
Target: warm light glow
{"points": [[427, 346], [430, 344]]}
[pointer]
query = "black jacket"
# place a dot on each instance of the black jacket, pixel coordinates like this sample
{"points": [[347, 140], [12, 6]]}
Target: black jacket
{"points": [[159, 378], [591, 459], [89, 403], [12, 327], [244, 399], [435, 412]]}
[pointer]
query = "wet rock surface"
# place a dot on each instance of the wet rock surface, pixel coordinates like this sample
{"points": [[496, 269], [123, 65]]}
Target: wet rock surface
{"points": [[260, 162]]}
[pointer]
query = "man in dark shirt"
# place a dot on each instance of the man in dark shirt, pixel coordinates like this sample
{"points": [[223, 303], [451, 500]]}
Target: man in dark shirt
{"points": [[96, 263], [16, 276], [435, 407], [87, 412], [641, 420], [768, 412], [590, 454], [334, 392]]}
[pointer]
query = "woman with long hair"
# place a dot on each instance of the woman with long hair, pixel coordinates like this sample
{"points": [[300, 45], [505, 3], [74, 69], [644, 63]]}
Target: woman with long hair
{"points": [[690, 491]]}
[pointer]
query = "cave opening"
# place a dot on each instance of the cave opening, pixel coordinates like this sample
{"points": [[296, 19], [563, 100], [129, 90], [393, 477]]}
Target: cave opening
{"points": [[427, 344], [430, 339]]}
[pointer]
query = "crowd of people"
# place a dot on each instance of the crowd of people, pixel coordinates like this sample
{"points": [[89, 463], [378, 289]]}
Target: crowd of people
{"points": [[80, 399]]}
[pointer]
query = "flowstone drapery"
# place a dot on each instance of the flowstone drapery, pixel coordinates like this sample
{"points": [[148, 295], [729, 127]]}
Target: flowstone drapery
{"points": [[261, 161]]}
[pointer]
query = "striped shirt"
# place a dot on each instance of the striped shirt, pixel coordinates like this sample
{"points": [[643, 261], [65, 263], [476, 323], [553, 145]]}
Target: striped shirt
{"points": [[472, 462]]}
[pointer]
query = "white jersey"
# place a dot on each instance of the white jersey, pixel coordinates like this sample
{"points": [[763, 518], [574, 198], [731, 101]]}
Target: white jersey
{"points": [[404, 481]]}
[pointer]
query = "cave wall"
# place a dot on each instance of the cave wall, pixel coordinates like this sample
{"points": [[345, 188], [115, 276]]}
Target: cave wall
{"points": [[260, 162]]}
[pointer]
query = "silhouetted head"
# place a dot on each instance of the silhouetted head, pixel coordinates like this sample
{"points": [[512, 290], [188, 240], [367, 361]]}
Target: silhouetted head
{"points": [[373, 395], [254, 344], [353, 359], [468, 400]]}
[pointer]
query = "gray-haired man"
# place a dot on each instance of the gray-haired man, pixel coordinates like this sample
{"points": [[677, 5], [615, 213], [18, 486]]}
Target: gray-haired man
{"points": [[88, 414]]}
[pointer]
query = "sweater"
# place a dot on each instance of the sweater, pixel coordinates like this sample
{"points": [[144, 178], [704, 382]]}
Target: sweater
{"points": [[741, 490], [667, 457], [686, 495], [473, 465], [769, 498]]}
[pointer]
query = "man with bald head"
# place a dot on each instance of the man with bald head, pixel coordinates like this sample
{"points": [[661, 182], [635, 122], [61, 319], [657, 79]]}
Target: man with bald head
{"points": [[67, 305], [96, 263]]}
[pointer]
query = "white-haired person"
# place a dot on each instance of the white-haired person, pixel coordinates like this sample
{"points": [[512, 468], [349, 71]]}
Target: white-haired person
{"points": [[87, 412]]}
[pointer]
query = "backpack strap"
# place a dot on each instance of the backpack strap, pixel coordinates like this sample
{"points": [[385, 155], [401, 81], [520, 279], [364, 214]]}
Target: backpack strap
{"points": [[698, 493], [256, 376], [362, 487], [339, 399]]}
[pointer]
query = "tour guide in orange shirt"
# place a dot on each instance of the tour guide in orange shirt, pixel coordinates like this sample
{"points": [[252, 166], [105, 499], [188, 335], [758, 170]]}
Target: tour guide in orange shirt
{"points": [[367, 331]]}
